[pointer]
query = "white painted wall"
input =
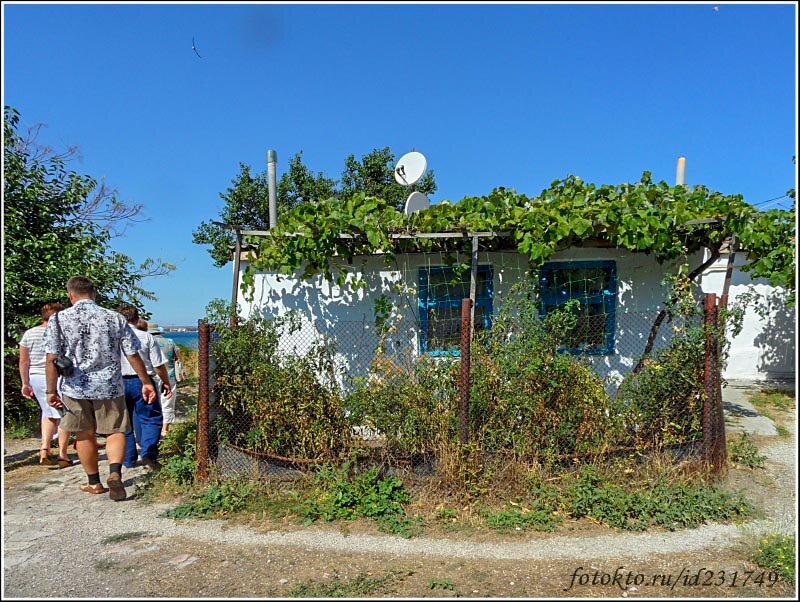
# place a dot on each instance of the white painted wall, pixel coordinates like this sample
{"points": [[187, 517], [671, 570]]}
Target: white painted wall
{"points": [[765, 348], [347, 318]]}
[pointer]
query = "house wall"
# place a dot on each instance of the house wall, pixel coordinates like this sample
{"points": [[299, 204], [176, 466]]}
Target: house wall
{"points": [[765, 348], [347, 317]]}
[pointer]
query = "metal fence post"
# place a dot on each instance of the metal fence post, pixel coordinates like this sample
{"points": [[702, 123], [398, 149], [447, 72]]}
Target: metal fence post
{"points": [[201, 440], [466, 339], [715, 451], [708, 376], [719, 454]]}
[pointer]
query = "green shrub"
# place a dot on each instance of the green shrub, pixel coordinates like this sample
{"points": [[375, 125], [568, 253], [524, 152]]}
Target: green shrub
{"points": [[18, 411], [272, 402], [446, 514], [413, 411], [189, 359], [445, 584], [742, 450], [662, 404], [227, 497], [21, 428], [636, 506], [341, 493], [777, 552], [177, 452], [525, 397], [529, 398]]}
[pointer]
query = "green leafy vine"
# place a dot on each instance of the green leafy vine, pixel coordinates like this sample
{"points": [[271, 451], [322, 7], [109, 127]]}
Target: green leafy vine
{"points": [[669, 222]]}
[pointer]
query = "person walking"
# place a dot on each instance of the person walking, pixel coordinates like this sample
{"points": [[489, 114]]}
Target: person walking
{"points": [[34, 385], [171, 353], [146, 416], [93, 394]]}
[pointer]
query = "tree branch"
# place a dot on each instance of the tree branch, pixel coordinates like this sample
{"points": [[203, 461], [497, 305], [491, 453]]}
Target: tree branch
{"points": [[663, 313]]}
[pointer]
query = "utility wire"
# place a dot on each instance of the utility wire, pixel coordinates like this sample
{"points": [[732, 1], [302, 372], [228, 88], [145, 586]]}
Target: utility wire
{"points": [[770, 200]]}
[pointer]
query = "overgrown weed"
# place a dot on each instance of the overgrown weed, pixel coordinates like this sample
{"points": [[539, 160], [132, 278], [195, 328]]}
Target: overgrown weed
{"points": [[777, 552], [361, 585], [773, 398], [744, 452]]}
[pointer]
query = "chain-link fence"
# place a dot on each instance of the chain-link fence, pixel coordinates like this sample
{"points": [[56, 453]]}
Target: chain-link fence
{"points": [[280, 396]]}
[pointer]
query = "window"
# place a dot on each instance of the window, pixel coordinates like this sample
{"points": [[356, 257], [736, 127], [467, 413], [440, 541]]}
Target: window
{"points": [[594, 285], [440, 296]]}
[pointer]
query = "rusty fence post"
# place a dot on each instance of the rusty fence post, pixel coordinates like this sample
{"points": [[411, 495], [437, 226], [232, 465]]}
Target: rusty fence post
{"points": [[201, 440], [708, 376], [715, 452], [463, 406], [719, 454]]}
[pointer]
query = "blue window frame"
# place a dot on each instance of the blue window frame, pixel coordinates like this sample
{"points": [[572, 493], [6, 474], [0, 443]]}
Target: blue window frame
{"points": [[594, 285], [440, 296]]}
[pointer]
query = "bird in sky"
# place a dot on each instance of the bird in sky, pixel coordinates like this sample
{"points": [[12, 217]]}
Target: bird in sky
{"points": [[195, 49]]}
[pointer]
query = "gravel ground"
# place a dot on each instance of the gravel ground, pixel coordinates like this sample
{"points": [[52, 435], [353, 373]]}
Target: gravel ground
{"points": [[44, 507]]}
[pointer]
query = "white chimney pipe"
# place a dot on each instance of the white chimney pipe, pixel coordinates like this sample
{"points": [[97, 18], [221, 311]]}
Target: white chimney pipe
{"points": [[680, 174], [272, 159]]}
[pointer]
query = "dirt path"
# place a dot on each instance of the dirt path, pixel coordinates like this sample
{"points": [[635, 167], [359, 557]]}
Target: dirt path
{"points": [[126, 550]]}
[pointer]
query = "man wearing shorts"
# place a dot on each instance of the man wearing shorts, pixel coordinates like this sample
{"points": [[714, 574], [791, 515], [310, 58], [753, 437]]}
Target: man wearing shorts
{"points": [[93, 396]]}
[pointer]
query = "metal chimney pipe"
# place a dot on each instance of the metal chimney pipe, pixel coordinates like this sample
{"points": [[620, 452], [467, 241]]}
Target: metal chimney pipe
{"points": [[272, 160], [680, 174]]}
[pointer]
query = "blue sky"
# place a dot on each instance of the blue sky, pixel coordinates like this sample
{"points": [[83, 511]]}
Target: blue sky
{"points": [[494, 95]]}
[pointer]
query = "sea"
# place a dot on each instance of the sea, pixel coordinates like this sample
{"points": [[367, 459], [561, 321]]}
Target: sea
{"points": [[183, 338]]}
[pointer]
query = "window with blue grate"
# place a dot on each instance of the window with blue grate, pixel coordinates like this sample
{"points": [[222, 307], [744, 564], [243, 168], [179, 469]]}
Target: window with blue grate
{"points": [[594, 285], [441, 292]]}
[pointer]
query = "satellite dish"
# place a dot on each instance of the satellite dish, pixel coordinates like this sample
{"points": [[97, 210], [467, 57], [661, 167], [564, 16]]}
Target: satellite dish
{"points": [[416, 201], [409, 168]]}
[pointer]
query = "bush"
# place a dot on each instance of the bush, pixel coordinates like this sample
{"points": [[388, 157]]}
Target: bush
{"points": [[272, 402], [636, 506], [527, 397], [340, 493], [189, 358], [177, 451], [662, 404], [413, 411], [17, 409]]}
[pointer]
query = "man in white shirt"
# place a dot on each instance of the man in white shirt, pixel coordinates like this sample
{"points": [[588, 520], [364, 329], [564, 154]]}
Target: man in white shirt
{"points": [[146, 415], [93, 394]]}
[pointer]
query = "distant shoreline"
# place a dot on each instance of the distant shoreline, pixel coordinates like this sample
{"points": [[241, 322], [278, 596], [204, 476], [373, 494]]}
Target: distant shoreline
{"points": [[189, 338]]}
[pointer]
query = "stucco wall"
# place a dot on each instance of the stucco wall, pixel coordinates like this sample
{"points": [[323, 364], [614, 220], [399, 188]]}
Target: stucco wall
{"points": [[347, 317], [765, 348]]}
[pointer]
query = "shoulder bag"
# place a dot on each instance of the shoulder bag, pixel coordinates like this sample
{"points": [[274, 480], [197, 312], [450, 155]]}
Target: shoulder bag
{"points": [[63, 364]]}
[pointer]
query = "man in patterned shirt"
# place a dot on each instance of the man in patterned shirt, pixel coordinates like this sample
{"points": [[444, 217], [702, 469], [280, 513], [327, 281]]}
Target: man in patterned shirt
{"points": [[93, 396]]}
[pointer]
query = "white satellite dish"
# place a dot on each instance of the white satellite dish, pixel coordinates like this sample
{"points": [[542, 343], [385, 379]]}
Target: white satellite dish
{"points": [[409, 168], [416, 201]]}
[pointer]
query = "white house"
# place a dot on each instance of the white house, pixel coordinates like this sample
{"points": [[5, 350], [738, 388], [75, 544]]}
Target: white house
{"points": [[623, 292], [765, 348]]}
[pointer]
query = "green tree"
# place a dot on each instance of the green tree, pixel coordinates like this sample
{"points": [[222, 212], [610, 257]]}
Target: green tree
{"points": [[247, 203], [374, 176], [58, 223], [247, 199]]}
